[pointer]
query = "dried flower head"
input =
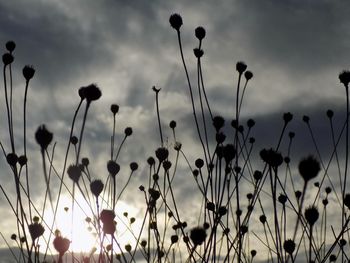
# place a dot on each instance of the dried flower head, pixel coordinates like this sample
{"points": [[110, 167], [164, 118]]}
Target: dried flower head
{"points": [[198, 235], [74, 172], [344, 77], [128, 131], [22, 160], [114, 109], [113, 168], [7, 59], [150, 161], [330, 114], [43, 137], [91, 93], [271, 157], [28, 72], [10, 46], [311, 215], [289, 246], [107, 216], [309, 167], [175, 21], [162, 154], [12, 159], [248, 75], [61, 244], [199, 32], [172, 124], [74, 140], [198, 53], [96, 187], [218, 122], [241, 67], [287, 117], [134, 166], [199, 163], [36, 230]]}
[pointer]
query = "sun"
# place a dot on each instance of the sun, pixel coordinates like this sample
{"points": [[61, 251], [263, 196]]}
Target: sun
{"points": [[80, 230]]}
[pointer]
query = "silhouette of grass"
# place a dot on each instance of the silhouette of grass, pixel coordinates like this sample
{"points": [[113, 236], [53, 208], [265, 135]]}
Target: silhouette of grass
{"points": [[239, 202]]}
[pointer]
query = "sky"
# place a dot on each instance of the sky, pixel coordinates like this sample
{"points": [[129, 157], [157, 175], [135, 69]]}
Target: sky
{"points": [[295, 49]]}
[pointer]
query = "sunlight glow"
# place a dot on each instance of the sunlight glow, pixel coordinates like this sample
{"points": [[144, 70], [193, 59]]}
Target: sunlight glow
{"points": [[83, 234]]}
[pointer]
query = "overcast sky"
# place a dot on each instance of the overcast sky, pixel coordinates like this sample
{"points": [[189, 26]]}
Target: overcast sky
{"points": [[295, 49]]}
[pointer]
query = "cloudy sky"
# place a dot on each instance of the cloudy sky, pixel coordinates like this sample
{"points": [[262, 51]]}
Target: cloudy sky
{"points": [[295, 49]]}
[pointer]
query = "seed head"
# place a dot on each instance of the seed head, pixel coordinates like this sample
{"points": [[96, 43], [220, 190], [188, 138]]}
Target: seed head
{"points": [[162, 154], [10, 46], [175, 21], [12, 159], [218, 122], [199, 33], [309, 167], [311, 215], [28, 72], [91, 92], [241, 67], [344, 77], [7, 59], [248, 75], [128, 131], [289, 246], [257, 175], [287, 117], [107, 216], [43, 137], [96, 187], [330, 114], [199, 163], [150, 161], [113, 168], [229, 152], [61, 244], [36, 230], [198, 53], [134, 166], [172, 124], [74, 173], [198, 235], [114, 109], [22, 160]]}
